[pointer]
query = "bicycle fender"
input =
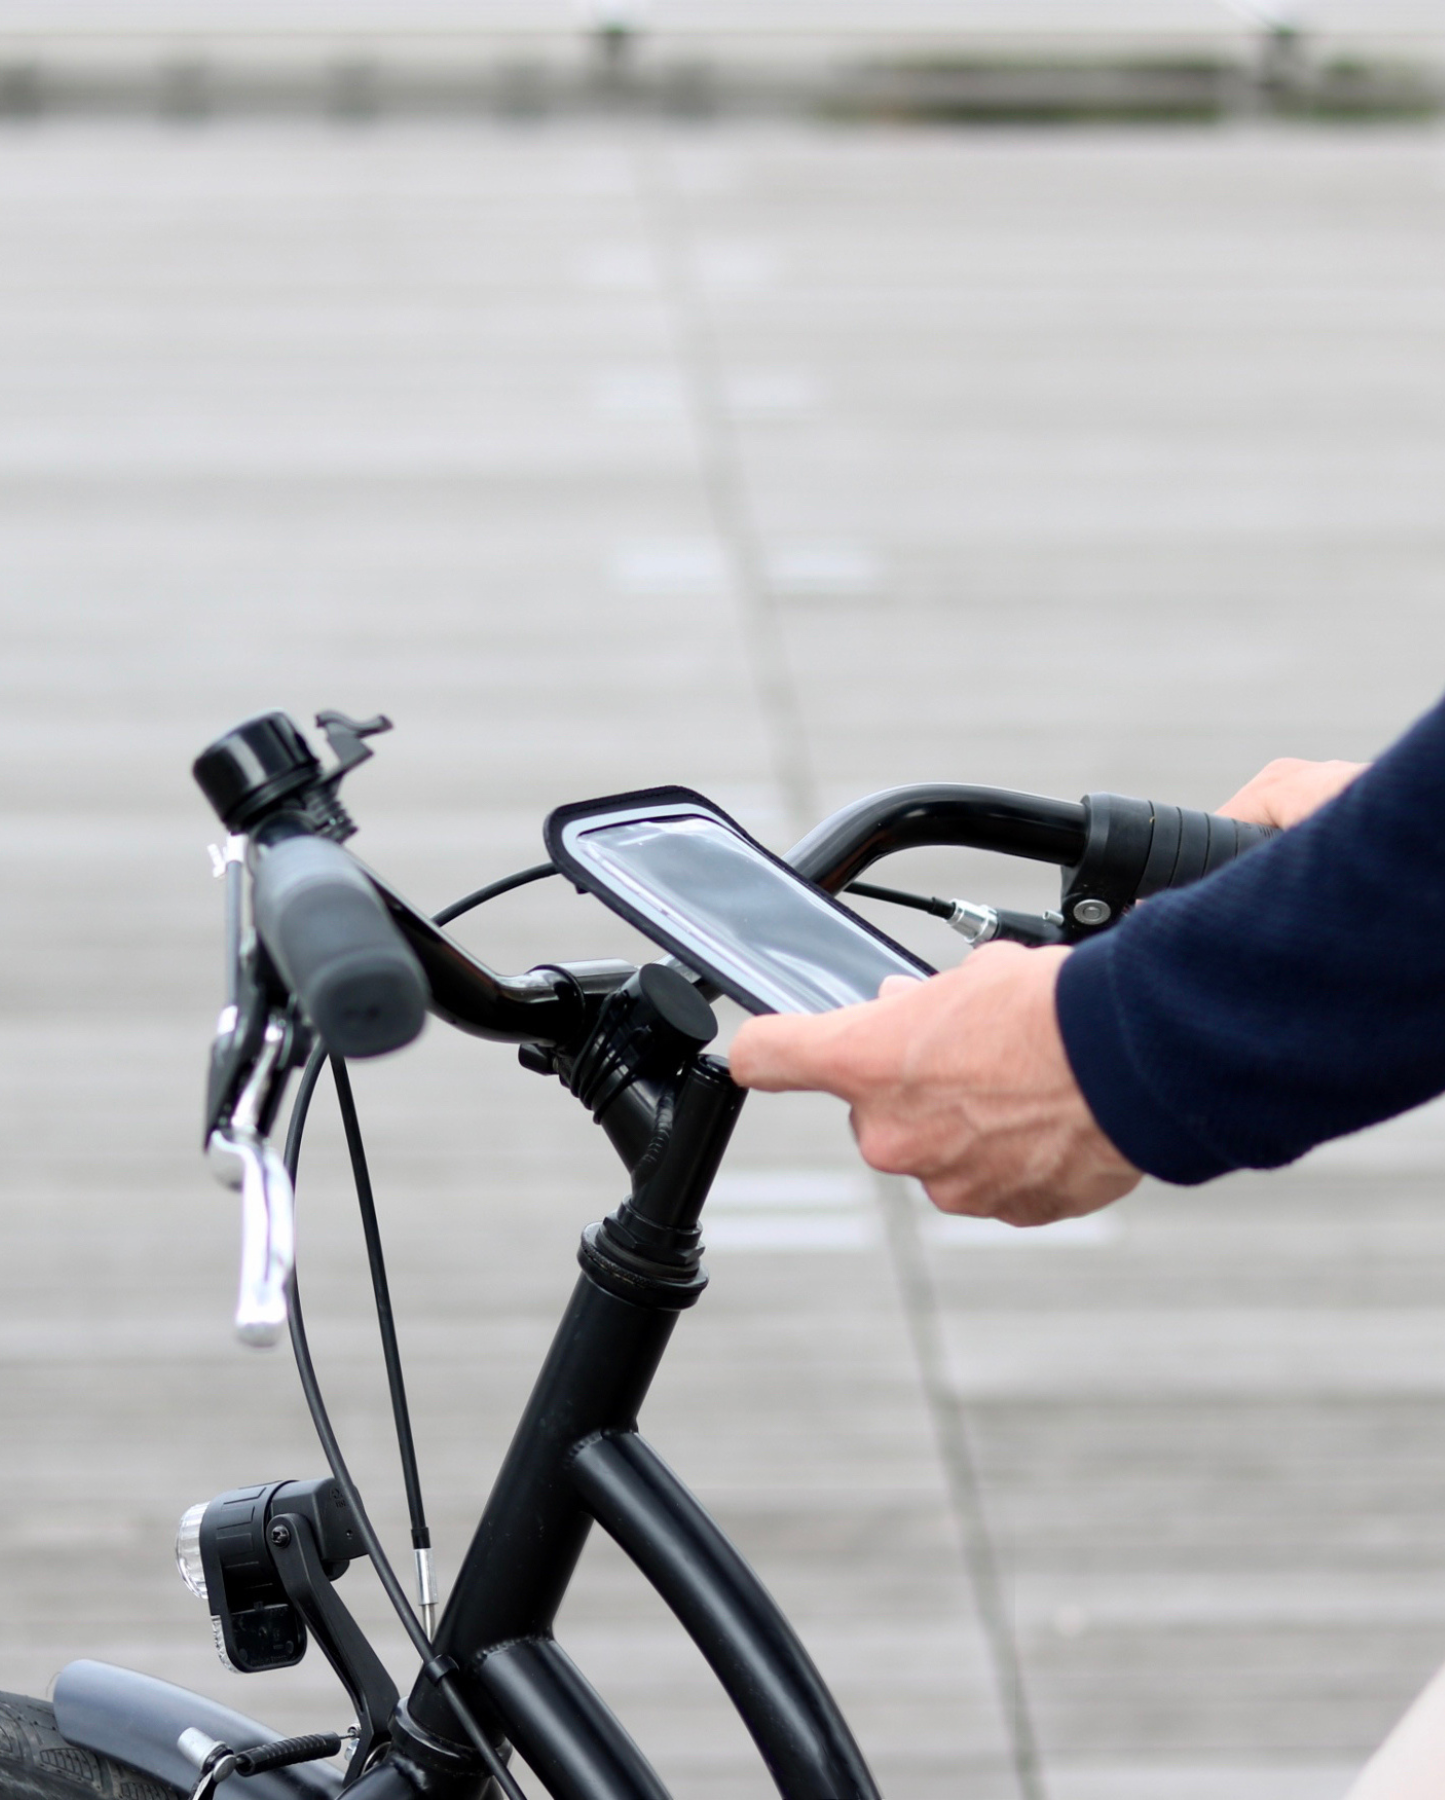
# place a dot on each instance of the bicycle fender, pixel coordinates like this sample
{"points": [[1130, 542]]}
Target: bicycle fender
{"points": [[138, 1720]]}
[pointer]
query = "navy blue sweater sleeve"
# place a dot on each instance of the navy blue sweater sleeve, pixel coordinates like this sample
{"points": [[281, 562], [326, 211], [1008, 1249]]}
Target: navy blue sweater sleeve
{"points": [[1296, 995]]}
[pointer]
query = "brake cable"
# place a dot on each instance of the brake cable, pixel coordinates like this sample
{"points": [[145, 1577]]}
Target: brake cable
{"points": [[391, 1353], [928, 903], [537, 872], [440, 1669]]}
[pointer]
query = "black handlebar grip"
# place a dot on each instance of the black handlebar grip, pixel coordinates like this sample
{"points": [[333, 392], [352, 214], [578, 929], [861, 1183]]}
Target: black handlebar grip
{"points": [[336, 947], [1133, 848], [1247, 835], [1186, 845]]}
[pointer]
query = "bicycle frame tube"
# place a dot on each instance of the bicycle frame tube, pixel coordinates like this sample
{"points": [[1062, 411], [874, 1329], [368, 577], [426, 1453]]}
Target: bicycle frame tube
{"points": [[576, 1457], [754, 1652]]}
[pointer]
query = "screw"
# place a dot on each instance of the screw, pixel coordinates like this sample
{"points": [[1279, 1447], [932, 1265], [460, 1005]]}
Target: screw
{"points": [[280, 1535], [1093, 912]]}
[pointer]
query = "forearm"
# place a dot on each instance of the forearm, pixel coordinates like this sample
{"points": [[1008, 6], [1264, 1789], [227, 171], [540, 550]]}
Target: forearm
{"points": [[1292, 997]]}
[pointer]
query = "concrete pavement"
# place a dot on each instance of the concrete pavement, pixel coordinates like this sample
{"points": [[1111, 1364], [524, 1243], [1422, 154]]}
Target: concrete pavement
{"points": [[791, 463]]}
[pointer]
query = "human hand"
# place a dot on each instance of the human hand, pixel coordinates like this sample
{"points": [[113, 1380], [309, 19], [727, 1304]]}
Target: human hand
{"points": [[1288, 790], [961, 1080]]}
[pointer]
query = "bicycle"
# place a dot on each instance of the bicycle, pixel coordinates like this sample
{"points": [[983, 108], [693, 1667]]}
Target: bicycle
{"points": [[333, 964]]}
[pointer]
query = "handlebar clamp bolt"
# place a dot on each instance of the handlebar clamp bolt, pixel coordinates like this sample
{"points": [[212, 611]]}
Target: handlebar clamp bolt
{"points": [[1093, 912]]}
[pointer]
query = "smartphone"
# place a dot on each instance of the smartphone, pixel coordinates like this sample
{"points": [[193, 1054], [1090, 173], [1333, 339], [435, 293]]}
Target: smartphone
{"points": [[691, 879]]}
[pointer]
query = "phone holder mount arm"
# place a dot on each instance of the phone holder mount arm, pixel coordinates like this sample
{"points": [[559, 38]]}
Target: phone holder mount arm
{"points": [[668, 1111]]}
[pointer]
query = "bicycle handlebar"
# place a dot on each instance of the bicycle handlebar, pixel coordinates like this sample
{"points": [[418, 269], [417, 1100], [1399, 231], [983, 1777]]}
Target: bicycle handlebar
{"points": [[908, 818], [1113, 849], [544, 1006], [375, 971], [366, 965]]}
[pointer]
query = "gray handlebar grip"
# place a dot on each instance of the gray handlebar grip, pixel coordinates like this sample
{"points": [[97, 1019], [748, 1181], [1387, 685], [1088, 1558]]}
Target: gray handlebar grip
{"points": [[336, 947]]}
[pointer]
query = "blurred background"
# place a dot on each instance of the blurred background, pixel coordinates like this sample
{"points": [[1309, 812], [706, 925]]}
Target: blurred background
{"points": [[790, 400]]}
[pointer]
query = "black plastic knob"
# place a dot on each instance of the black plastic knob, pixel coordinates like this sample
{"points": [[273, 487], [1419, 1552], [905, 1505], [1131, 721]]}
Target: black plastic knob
{"points": [[670, 1000]]}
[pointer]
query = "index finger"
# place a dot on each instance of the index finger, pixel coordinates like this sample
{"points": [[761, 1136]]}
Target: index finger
{"points": [[785, 1052]]}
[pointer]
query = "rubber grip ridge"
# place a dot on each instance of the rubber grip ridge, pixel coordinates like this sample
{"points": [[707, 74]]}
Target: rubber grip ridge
{"points": [[1188, 844]]}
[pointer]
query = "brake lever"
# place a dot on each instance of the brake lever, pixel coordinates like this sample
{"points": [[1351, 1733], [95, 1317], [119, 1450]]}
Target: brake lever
{"points": [[259, 1040], [241, 1157]]}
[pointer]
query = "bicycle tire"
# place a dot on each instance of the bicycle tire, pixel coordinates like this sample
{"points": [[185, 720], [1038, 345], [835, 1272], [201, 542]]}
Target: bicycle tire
{"points": [[38, 1763]]}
